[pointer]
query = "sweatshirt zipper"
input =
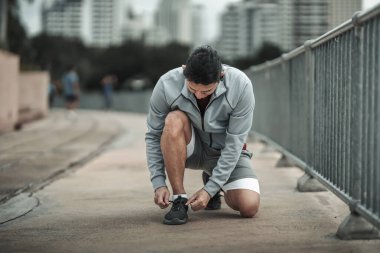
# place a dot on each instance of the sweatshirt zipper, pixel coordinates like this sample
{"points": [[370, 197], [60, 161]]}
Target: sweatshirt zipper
{"points": [[202, 117], [203, 127]]}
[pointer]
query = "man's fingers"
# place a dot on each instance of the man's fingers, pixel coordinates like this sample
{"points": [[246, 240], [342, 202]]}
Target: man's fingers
{"points": [[161, 198], [191, 200], [166, 198], [162, 204], [196, 205]]}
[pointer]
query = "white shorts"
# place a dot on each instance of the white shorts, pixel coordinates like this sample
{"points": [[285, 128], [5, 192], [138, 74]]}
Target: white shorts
{"points": [[191, 145], [244, 183]]}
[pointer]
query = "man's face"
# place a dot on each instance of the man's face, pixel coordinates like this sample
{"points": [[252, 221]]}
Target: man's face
{"points": [[201, 90]]}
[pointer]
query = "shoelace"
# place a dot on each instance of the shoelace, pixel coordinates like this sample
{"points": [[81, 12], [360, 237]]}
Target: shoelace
{"points": [[176, 203]]}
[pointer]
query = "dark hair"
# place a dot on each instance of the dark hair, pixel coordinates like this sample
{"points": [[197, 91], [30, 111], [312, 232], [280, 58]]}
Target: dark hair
{"points": [[203, 66]]}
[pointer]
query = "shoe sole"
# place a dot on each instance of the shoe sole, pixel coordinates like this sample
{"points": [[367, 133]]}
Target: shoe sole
{"points": [[175, 221]]}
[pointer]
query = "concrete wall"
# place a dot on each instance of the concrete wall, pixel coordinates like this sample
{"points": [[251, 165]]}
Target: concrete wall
{"points": [[9, 89], [33, 95]]}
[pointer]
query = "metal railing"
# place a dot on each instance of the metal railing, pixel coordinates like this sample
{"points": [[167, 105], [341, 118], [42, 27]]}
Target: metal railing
{"points": [[320, 105]]}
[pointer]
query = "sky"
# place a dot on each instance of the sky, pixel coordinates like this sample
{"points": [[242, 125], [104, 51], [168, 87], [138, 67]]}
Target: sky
{"points": [[31, 19]]}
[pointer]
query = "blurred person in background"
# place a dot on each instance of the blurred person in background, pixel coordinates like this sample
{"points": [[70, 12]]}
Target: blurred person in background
{"points": [[199, 117], [108, 82], [71, 89], [52, 92]]}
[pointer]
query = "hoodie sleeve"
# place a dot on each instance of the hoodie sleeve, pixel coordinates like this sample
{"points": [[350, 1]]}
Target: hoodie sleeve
{"points": [[240, 123], [158, 109]]}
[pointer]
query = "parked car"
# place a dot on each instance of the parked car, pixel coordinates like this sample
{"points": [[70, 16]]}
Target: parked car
{"points": [[137, 83]]}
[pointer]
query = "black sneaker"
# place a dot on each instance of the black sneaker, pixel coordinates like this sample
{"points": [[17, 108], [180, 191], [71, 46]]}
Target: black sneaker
{"points": [[215, 203], [178, 213]]}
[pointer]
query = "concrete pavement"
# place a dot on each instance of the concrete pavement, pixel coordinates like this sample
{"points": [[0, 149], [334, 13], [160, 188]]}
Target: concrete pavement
{"points": [[45, 148], [106, 204]]}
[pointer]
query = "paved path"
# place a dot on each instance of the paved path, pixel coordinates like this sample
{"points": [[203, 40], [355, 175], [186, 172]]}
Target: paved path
{"points": [[43, 149], [106, 205]]}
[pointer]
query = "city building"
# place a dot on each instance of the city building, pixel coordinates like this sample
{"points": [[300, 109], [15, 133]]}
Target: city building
{"points": [[156, 36], [198, 25], [247, 24], [95, 22], [134, 26], [175, 17], [106, 22], [286, 19], [342, 10], [64, 18], [310, 20]]}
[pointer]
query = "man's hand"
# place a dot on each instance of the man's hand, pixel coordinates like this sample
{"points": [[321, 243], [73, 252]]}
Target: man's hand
{"points": [[199, 200], [161, 197]]}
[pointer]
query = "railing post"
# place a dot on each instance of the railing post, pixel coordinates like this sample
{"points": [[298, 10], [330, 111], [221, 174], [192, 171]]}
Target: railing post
{"points": [[285, 161], [307, 183], [310, 83], [354, 226]]}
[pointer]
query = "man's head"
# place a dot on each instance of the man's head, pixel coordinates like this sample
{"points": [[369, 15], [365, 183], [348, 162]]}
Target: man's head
{"points": [[203, 66], [203, 71]]}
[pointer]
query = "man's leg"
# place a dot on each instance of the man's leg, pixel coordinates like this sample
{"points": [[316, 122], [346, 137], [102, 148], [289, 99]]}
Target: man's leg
{"points": [[176, 135], [245, 201]]}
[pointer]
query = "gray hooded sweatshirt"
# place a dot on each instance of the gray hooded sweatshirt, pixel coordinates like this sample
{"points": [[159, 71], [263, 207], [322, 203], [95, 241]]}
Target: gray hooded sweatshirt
{"points": [[225, 126]]}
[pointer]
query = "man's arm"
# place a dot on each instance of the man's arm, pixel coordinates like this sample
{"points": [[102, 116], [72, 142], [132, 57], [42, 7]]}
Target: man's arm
{"points": [[155, 122]]}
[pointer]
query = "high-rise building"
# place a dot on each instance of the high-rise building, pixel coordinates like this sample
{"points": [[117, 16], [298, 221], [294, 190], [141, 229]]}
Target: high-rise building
{"points": [[248, 24], [175, 17], [342, 10], [198, 25], [95, 22], [64, 18], [107, 20], [156, 36], [134, 26], [286, 17], [310, 19], [245, 26], [228, 43]]}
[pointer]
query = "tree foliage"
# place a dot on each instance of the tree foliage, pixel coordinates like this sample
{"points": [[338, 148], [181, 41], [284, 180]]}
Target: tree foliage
{"points": [[16, 36], [133, 58], [267, 52]]}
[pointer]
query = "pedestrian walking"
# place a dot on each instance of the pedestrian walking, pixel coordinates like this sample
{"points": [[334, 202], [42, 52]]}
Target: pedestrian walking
{"points": [[71, 89], [108, 82]]}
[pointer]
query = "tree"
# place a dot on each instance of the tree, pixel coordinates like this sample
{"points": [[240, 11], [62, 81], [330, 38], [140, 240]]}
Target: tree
{"points": [[14, 36], [161, 59], [266, 52]]}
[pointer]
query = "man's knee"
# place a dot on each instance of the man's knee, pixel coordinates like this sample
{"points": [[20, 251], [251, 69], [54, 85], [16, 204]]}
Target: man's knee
{"points": [[175, 123], [245, 201], [249, 209]]}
